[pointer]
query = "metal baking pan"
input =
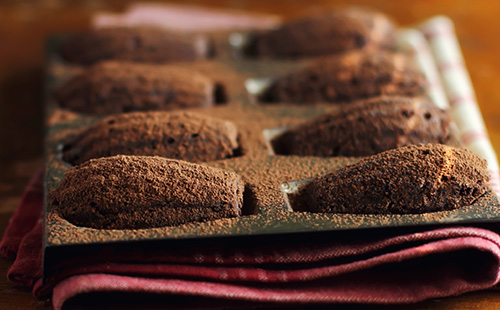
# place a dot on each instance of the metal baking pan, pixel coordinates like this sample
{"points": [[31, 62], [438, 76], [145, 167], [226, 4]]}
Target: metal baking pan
{"points": [[269, 178]]}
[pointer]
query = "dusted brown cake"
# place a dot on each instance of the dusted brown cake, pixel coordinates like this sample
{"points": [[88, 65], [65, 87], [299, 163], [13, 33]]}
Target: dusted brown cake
{"points": [[115, 87], [348, 77], [134, 44], [180, 135], [412, 179], [367, 127], [326, 33], [131, 192], [381, 29]]}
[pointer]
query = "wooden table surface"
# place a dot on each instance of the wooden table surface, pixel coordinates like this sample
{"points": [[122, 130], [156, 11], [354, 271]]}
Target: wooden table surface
{"points": [[25, 24]]}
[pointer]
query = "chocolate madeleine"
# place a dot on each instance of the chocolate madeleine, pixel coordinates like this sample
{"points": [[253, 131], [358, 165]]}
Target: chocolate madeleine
{"points": [[412, 179], [367, 127], [133, 44], [381, 29], [180, 135], [132, 192], [115, 87], [348, 77], [326, 33]]}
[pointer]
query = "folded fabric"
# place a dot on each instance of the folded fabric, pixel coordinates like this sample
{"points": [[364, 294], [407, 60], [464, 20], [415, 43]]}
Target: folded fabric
{"points": [[25, 218], [362, 267]]}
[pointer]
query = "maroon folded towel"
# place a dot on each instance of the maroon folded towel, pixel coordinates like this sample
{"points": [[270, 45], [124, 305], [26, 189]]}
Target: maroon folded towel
{"points": [[25, 217], [357, 267]]}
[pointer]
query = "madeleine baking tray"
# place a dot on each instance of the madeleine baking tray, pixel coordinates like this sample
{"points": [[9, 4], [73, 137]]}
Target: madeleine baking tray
{"points": [[269, 178]]}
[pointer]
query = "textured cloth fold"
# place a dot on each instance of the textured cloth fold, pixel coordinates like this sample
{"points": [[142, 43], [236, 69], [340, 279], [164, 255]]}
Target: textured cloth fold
{"points": [[27, 268], [25, 217]]}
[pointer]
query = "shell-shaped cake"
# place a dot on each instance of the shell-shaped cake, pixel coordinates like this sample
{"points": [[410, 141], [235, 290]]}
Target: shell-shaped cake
{"points": [[180, 135], [343, 78], [142, 44], [412, 179], [115, 87], [367, 127], [132, 192], [326, 33]]}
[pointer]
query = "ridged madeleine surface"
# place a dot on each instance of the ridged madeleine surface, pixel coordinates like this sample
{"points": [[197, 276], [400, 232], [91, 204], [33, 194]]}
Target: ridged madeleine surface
{"points": [[348, 77], [326, 33], [132, 192], [180, 135], [116, 87], [412, 179], [141, 44], [367, 127]]}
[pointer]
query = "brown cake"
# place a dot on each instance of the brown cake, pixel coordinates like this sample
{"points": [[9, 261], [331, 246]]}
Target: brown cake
{"points": [[114, 87], [325, 33], [347, 77], [131, 192], [367, 127], [180, 135], [412, 179], [381, 29], [133, 44]]}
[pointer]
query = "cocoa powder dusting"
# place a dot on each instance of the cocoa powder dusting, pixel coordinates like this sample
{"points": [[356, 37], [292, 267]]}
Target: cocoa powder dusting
{"points": [[179, 135], [266, 208], [367, 127], [115, 87], [131, 192], [327, 33], [144, 44], [347, 77], [382, 29], [413, 179]]}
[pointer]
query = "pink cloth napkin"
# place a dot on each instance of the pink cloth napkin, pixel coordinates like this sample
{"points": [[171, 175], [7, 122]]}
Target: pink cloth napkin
{"points": [[185, 18], [351, 267]]}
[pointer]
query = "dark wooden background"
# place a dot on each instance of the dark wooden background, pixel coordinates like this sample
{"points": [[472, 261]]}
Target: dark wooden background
{"points": [[25, 24]]}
